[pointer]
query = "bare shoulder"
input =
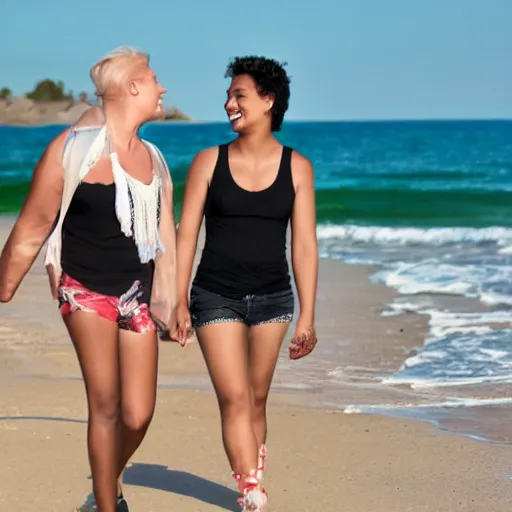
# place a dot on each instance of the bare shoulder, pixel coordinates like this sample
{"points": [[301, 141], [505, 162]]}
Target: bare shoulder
{"points": [[56, 146], [207, 156], [204, 162], [48, 175], [302, 169], [93, 116]]}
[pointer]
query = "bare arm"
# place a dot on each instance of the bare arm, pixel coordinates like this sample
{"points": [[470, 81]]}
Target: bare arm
{"points": [[35, 220], [304, 241], [196, 189]]}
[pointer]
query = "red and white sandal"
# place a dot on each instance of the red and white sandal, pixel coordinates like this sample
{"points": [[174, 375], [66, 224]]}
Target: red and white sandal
{"points": [[262, 455], [254, 497]]}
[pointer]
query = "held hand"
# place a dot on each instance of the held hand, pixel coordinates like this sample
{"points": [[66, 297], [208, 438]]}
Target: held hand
{"points": [[166, 333], [184, 324], [303, 341], [170, 331]]}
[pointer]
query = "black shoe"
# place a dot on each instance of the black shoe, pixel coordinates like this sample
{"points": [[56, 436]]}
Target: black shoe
{"points": [[121, 506]]}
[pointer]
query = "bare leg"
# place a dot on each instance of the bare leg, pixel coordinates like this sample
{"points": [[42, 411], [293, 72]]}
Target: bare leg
{"points": [[224, 346], [265, 341], [96, 344], [138, 359]]}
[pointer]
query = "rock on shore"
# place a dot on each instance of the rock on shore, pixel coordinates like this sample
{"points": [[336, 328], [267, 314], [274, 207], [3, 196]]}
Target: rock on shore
{"points": [[27, 112]]}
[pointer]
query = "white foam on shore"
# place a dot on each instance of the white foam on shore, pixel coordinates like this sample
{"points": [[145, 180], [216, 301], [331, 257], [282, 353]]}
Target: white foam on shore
{"points": [[429, 268], [495, 299], [449, 403], [410, 235], [506, 250], [480, 281], [461, 349]]}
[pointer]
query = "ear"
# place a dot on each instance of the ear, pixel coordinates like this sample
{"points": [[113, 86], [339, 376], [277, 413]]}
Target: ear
{"points": [[270, 103], [133, 89]]}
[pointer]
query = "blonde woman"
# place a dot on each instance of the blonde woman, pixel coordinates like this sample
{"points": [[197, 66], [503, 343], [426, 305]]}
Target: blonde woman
{"points": [[104, 197]]}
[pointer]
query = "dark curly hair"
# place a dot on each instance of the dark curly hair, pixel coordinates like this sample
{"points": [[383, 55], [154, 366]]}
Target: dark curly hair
{"points": [[270, 79]]}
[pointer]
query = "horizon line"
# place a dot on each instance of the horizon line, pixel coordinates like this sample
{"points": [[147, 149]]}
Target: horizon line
{"points": [[356, 120], [293, 121]]}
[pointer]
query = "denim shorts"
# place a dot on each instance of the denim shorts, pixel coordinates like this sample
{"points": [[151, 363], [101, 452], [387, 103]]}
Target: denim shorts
{"points": [[210, 308]]}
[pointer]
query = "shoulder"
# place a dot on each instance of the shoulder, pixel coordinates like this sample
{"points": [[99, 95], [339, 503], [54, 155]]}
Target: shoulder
{"points": [[156, 151], [93, 116], [49, 168], [207, 157], [204, 163], [302, 169], [60, 140], [56, 147], [152, 146]]}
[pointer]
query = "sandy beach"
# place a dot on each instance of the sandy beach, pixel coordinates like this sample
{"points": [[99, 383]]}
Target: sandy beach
{"points": [[319, 458]]}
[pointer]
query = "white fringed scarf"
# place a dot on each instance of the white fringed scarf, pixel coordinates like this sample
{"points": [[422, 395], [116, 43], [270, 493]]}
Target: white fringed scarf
{"points": [[137, 204], [137, 209]]}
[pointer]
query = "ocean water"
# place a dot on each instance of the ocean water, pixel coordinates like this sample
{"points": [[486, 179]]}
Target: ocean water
{"points": [[428, 203]]}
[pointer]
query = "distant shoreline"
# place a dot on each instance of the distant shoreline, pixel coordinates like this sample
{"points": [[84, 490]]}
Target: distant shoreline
{"points": [[62, 124], [24, 112]]}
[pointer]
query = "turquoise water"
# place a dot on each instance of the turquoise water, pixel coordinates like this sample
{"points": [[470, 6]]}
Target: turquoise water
{"points": [[428, 202], [386, 174]]}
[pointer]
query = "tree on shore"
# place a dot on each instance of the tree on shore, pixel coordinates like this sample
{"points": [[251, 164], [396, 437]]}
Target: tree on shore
{"points": [[48, 90], [5, 92]]}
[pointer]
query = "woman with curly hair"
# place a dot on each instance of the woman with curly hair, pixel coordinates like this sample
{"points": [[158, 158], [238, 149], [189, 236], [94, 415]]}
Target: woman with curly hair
{"points": [[241, 301]]}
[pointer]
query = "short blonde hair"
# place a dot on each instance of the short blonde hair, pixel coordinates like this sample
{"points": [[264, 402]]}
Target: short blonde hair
{"points": [[109, 73]]}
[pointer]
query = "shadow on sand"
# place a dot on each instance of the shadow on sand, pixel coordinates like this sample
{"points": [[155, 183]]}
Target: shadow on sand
{"points": [[155, 476], [162, 478]]}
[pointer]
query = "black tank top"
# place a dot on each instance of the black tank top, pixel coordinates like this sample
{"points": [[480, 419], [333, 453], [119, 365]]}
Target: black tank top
{"points": [[245, 247], [95, 251]]}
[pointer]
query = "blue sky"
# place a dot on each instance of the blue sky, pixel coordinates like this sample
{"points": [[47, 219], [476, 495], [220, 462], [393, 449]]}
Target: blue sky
{"points": [[357, 59]]}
